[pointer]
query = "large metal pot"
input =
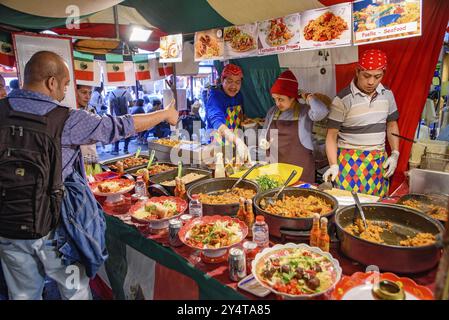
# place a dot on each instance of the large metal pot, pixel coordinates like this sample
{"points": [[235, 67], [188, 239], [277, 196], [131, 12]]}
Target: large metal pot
{"points": [[283, 227], [217, 184], [391, 257]]}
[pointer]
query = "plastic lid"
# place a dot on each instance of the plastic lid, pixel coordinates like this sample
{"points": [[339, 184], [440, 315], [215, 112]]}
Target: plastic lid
{"points": [[195, 196], [260, 218]]}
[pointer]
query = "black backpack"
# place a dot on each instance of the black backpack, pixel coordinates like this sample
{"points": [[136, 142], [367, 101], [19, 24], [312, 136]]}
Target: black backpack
{"points": [[119, 105], [31, 187]]}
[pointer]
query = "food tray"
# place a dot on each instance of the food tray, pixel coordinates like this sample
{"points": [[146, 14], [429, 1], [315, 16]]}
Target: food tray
{"points": [[170, 175], [105, 164]]}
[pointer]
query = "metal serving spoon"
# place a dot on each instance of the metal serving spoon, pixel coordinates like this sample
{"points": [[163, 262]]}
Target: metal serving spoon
{"points": [[217, 193], [360, 211]]}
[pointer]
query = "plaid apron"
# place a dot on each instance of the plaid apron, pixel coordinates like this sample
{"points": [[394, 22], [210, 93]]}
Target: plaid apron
{"points": [[362, 171], [233, 120]]}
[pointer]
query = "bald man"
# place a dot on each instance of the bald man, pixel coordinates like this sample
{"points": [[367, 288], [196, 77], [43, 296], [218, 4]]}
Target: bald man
{"points": [[3, 93], [74, 249]]}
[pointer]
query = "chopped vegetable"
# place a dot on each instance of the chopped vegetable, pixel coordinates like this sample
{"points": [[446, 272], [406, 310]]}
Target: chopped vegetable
{"points": [[266, 182]]}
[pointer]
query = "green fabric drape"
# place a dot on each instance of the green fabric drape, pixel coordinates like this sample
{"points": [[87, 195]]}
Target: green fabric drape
{"points": [[259, 74], [30, 22], [174, 16]]}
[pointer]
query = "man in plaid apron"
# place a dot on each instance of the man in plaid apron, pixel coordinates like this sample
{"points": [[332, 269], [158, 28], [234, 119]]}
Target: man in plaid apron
{"points": [[362, 116], [224, 110]]}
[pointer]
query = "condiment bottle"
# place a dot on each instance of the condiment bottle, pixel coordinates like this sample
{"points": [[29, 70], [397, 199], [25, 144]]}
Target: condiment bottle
{"points": [[242, 211], [324, 240], [180, 189], [219, 166], [315, 232], [249, 217]]}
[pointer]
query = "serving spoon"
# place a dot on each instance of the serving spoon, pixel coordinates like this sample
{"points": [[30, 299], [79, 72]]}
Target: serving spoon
{"points": [[360, 212], [220, 192]]}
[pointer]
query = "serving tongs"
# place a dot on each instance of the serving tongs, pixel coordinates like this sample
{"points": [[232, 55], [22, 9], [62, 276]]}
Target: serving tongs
{"points": [[150, 162], [272, 200], [220, 192], [359, 213]]}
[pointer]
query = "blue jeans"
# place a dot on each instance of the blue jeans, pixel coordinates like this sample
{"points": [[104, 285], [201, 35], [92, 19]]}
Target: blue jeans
{"points": [[26, 262], [125, 149]]}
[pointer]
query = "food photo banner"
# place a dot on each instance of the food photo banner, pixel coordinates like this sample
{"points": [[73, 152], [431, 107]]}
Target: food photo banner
{"points": [[209, 45], [171, 48], [240, 41], [326, 27], [383, 20], [279, 35]]}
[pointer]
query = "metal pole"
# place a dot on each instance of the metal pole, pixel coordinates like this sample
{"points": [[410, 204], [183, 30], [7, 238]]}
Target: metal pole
{"points": [[191, 88], [116, 24], [175, 90]]}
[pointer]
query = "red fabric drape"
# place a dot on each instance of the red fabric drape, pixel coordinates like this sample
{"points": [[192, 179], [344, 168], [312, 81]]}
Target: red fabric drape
{"points": [[411, 64]]}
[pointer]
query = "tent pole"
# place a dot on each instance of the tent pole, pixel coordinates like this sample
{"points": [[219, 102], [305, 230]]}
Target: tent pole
{"points": [[116, 24], [175, 90]]}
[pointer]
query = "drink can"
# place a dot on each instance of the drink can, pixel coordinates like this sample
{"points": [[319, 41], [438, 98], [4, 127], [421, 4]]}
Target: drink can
{"points": [[174, 225], [186, 218], [137, 197], [237, 264], [251, 250]]}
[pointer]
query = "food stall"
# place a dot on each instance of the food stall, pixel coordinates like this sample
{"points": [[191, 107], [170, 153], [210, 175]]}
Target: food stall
{"points": [[140, 243], [188, 269]]}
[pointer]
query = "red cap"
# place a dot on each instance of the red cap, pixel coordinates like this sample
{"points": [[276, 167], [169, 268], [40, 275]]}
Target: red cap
{"points": [[231, 70], [195, 196], [373, 60], [260, 218], [286, 84]]}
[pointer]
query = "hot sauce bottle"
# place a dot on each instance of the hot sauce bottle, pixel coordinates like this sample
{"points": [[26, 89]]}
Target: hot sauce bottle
{"points": [[315, 232], [324, 240]]}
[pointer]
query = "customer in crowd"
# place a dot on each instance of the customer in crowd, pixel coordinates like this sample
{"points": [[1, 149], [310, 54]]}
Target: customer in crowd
{"points": [[120, 100], [3, 92], [70, 236]]}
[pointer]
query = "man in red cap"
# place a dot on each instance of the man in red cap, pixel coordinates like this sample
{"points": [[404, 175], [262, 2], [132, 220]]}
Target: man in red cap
{"points": [[293, 122], [362, 116], [224, 108]]}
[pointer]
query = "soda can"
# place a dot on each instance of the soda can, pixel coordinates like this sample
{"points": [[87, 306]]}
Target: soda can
{"points": [[174, 225], [237, 264], [251, 250], [186, 218]]}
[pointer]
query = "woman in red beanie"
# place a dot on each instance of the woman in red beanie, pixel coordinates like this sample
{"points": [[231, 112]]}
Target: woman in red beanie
{"points": [[294, 122]]}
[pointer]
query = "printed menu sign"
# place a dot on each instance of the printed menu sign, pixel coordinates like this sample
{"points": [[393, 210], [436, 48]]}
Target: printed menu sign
{"points": [[377, 20], [240, 41], [279, 35], [326, 27]]}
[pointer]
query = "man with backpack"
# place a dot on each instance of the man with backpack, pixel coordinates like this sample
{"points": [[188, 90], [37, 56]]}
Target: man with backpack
{"points": [[50, 222], [120, 100]]}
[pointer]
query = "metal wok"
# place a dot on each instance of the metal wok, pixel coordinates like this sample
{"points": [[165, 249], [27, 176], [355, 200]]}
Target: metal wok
{"points": [[217, 184], [390, 256], [283, 227]]}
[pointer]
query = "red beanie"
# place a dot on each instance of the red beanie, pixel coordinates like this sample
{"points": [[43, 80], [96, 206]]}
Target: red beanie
{"points": [[286, 84]]}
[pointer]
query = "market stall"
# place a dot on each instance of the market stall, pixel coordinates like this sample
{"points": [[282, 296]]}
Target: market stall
{"points": [[179, 272], [142, 196]]}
